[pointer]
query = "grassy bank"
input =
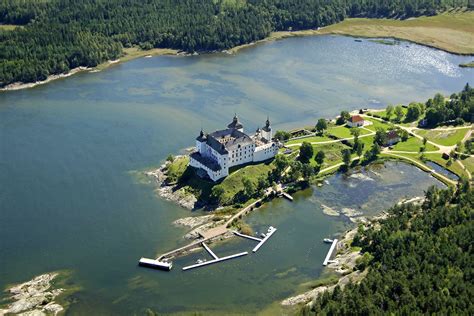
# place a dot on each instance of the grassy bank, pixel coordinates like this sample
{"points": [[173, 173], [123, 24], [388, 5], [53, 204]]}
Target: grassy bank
{"points": [[467, 65], [8, 27], [183, 176], [452, 32], [135, 52]]}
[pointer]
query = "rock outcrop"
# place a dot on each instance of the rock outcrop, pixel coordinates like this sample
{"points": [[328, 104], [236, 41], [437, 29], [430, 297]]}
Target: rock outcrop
{"points": [[35, 297]]}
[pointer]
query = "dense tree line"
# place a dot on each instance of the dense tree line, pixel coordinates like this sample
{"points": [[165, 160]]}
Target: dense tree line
{"points": [[420, 260], [458, 109], [58, 35]]}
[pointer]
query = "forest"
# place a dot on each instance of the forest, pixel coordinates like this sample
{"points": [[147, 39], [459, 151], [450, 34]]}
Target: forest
{"points": [[420, 260], [459, 108], [54, 36]]}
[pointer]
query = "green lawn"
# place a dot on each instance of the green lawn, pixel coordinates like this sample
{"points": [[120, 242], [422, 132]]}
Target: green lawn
{"points": [[446, 138], [377, 124], [413, 144], [367, 141], [309, 139], [447, 31], [383, 114], [232, 184], [186, 177], [177, 168], [344, 131], [9, 27], [332, 152], [469, 164]]}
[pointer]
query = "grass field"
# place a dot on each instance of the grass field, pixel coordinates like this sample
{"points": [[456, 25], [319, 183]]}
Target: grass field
{"points": [[367, 141], [344, 131], [446, 138], [8, 27], [177, 168], [469, 164], [452, 32], [332, 152], [178, 171], [308, 139], [232, 184], [467, 65], [413, 144], [383, 114], [377, 124]]}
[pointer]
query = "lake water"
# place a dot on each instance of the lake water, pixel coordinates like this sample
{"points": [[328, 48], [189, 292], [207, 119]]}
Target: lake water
{"points": [[71, 152]]}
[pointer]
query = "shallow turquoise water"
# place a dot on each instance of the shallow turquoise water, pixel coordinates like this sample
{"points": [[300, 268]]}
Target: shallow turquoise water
{"points": [[70, 151]]}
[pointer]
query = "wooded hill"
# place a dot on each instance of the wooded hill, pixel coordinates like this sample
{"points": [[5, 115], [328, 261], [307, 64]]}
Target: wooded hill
{"points": [[58, 35], [420, 261]]}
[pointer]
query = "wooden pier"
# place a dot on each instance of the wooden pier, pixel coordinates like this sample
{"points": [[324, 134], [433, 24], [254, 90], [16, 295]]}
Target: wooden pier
{"points": [[271, 231], [328, 256], [247, 236], [210, 251], [217, 259], [286, 195]]}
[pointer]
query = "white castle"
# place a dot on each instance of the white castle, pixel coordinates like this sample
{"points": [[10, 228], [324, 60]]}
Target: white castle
{"points": [[218, 151]]}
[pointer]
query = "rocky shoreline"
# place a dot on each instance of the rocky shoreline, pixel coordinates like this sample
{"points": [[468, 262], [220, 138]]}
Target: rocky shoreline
{"points": [[199, 224], [343, 264], [169, 191], [35, 297]]}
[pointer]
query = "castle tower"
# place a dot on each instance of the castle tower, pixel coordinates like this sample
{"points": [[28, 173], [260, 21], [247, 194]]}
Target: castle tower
{"points": [[235, 124], [200, 140], [267, 132]]}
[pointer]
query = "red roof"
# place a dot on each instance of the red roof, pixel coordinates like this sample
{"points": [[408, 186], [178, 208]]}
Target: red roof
{"points": [[356, 118]]}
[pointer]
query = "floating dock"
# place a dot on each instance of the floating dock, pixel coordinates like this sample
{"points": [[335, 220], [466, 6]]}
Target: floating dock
{"points": [[286, 195], [215, 260], [271, 231], [210, 251], [155, 264], [247, 236], [328, 256]]}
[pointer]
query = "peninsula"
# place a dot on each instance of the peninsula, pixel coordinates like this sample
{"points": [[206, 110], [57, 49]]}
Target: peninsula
{"points": [[417, 134]]}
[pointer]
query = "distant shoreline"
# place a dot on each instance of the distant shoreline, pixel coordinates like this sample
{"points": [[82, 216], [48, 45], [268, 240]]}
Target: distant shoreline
{"points": [[130, 54], [422, 31]]}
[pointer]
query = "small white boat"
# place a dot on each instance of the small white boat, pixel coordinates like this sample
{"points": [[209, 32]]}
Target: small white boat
{"points": [[327, 240], [263, 235]]}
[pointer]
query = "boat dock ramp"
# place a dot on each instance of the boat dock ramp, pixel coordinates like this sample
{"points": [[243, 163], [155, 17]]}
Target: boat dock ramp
{"points": [[328, 256], [163, 263], [216, 259], [286, 195], [266, 236]]}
